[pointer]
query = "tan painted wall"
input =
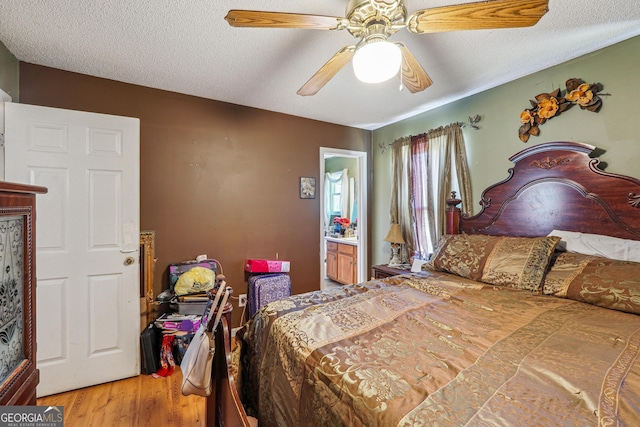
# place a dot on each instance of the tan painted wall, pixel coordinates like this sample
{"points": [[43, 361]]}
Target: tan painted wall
{"points": [[614, 129]]}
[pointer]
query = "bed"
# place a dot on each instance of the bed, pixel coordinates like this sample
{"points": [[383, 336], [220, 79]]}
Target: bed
{"points": [[501, 329]]}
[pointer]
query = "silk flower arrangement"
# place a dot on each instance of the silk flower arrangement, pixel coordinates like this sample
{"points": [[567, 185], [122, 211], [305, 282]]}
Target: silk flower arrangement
{"points": [[549, 105]]}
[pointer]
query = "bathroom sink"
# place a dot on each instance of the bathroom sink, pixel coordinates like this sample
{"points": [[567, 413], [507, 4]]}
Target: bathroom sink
{"points": [[342, 239]]}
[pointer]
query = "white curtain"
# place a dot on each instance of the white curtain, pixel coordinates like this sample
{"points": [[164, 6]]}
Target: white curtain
{"points": [[446, 170], [438, 185], [336, 177]]}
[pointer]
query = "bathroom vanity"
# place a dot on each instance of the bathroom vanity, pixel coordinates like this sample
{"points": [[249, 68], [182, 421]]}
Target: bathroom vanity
{"points": [[342, 259]]}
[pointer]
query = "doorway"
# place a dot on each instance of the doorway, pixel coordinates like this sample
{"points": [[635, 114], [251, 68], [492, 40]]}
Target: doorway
{"points": [[356, 207]]}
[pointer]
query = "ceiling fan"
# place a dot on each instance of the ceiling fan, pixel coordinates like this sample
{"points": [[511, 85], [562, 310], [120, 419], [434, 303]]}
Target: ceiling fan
{"points": [[374, 21]]}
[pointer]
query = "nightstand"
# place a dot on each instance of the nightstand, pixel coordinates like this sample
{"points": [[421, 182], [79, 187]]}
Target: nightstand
{"points": [[383, 270]]}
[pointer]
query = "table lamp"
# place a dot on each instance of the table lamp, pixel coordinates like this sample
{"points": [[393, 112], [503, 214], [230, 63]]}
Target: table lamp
{"points": [[394, 236]]}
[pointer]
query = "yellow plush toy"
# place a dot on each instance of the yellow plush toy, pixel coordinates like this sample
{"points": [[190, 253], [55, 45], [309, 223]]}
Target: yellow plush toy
{"points": [[198, 279]]}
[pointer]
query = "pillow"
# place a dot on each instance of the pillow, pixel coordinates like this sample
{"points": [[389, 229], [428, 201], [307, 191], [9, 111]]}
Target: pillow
{"points": [[517, 262], [595, 280], [595, 244]]}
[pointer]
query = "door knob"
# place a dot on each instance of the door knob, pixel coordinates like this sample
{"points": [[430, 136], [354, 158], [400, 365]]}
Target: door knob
{"points": [[129, 260]]}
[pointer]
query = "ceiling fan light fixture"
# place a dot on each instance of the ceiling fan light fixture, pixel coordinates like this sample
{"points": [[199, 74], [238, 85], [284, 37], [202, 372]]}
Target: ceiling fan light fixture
{"points": [[377, 61]]}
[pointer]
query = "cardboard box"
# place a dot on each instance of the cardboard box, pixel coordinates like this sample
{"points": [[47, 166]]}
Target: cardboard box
{"points": [[266, 266]]}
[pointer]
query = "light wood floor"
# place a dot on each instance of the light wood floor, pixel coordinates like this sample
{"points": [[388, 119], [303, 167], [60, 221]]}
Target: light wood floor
{"points": [[134, 402]]}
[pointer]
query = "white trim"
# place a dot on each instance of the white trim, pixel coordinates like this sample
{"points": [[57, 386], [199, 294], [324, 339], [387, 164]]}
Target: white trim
{"points": [[4, 98], [362, 192]]}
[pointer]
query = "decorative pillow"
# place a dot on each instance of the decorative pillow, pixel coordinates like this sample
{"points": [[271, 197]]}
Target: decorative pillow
{"points": [[516, 262], [596, 280], [596, 244]]}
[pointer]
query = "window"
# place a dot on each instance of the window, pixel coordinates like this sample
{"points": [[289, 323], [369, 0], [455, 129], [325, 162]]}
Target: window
{"points": [[335, 191], [426, 168]]}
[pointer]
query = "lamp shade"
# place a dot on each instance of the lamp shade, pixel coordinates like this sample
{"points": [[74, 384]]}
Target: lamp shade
{"points": [[394, 235], [377, 61]]}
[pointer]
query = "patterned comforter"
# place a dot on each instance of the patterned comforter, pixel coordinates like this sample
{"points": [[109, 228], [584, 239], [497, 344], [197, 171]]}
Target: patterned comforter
{"points": [[435, 349]]}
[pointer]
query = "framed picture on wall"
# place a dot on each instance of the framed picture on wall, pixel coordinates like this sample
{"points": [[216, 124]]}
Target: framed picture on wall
{"points": [[307, 187]]}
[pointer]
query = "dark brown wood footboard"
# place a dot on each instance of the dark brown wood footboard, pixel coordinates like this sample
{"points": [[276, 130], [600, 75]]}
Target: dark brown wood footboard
{"points": [[223, 406]]}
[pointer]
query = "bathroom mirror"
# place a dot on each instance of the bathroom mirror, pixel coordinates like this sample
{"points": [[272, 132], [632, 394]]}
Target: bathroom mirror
{"points": [[340, 183]]}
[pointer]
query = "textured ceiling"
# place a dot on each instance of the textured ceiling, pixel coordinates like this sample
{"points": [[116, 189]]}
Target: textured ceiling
{"points": [[188, 47]]}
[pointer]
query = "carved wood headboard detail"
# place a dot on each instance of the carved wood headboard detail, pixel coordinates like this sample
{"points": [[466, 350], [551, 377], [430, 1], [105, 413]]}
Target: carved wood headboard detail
{"points": [[556, 185]]}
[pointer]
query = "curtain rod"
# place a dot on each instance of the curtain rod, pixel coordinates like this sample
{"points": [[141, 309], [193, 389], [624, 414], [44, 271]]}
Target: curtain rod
{"points": [[471, 123]]}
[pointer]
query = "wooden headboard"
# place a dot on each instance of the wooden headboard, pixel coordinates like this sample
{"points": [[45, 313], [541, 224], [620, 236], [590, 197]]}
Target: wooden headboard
{"points": [[555, 185]]}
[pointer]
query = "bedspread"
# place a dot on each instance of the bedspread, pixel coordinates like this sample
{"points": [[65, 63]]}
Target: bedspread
{"points": [[436, 349]]}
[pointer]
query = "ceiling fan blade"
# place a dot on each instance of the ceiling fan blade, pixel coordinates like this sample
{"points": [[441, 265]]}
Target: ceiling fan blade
{"points": [[478, 16], [256, 18], [414, 78], [328, 70]]}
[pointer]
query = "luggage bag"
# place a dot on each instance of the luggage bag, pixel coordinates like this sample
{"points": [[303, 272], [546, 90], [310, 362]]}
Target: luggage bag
{"points": [[266, 288], [176, 270], [150, 340]]}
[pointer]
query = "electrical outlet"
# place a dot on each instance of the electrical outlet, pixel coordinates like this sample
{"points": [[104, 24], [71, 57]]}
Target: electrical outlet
{"points": [[242, 300]]}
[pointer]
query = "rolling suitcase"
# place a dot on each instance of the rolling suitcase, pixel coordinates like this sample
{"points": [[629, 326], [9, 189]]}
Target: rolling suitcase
{"points": [[265, 288]]}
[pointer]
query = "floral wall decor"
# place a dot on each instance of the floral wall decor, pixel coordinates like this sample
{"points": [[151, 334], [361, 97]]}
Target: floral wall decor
{"points": [[550, 105]]}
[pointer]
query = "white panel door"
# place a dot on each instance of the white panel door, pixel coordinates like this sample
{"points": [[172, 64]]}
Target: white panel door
{"points": [[87, 240]]}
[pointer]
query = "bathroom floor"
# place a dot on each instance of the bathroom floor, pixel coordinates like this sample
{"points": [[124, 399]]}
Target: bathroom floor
{"points": [[330, 284]]}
